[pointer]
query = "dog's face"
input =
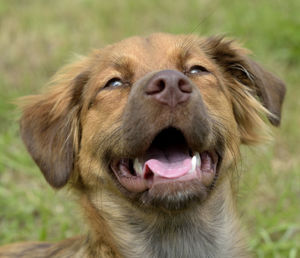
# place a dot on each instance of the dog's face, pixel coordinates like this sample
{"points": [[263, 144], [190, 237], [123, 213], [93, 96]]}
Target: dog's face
{"points": [[156, 121]]}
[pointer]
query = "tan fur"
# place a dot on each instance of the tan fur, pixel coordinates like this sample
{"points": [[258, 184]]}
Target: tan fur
{"points": [[76, 127]]}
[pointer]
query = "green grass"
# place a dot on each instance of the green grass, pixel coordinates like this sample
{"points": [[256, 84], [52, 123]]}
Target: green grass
{"points": [[37, 37]]}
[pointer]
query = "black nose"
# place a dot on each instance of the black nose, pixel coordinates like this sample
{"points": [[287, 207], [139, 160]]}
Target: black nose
{"points": [[169, 87]]}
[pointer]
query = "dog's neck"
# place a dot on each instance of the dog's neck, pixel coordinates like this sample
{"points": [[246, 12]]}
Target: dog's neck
{"points": [[212, 231]]}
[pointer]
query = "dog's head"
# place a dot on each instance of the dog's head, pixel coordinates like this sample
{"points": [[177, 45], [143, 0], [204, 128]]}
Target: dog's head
{"points": [[154, 120]]}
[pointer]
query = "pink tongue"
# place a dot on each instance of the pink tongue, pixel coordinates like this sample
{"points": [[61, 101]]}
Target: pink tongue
{"points": [[169, 170], [171, 164]]}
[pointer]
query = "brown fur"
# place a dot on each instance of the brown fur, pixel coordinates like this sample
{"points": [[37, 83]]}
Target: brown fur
{"points": [[76, 128]]}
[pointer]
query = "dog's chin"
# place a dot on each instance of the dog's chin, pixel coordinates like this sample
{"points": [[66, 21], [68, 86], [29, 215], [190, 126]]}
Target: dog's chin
{"points": [[174, 196]]}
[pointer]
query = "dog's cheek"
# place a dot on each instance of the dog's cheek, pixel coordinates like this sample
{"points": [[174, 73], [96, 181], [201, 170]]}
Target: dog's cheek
{"points": [[101, 135], [225, 127], [220, 109]]}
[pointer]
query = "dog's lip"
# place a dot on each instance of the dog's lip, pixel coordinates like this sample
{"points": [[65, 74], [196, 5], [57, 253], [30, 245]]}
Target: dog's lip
{"points": [[133, 183], [168, 159], [138, 182]]}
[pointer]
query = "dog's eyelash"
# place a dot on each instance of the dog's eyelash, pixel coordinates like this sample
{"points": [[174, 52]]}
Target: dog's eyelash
{"points": [[114, 82], [196, 70]]}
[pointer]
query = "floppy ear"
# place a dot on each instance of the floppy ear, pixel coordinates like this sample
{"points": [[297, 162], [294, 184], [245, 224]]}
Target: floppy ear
{"points": [[50, 125], [244, 78], [266, 86]]}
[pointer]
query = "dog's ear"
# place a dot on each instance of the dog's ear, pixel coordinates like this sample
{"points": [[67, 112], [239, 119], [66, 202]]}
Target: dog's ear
{"points": [[50, 125], [266, 86], [253, 89]]}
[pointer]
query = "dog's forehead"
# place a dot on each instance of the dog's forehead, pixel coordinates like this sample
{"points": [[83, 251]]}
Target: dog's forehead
{"points": [[155, 48]]}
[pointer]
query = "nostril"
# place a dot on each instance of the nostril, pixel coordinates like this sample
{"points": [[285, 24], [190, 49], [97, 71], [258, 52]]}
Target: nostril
{"points": [[184, 86], [156, 87], [161, 85]]}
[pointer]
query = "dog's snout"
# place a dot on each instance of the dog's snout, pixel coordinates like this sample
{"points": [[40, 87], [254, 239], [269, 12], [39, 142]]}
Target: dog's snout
{"points": [[169, 87]]}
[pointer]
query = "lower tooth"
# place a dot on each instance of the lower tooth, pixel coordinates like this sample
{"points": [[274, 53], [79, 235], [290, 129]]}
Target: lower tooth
{"points": [[194, 163], [198, 159], [138, 166]]}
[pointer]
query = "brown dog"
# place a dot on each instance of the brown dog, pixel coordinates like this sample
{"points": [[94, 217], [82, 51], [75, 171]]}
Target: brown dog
{"points": [[147, 133]]}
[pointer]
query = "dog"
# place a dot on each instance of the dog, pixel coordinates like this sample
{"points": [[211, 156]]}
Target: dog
{"points": [[146, 132]]}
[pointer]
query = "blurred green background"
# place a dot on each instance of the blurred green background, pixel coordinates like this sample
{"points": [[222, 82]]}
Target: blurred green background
{"points": [[38, 37]]}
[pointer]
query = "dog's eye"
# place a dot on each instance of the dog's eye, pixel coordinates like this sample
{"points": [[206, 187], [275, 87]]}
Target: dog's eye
{"points": [[114, 82], [197, 69]]}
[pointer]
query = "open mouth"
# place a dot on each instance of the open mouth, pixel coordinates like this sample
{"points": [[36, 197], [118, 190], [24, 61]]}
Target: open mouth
{"points": [[168, 160]]}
